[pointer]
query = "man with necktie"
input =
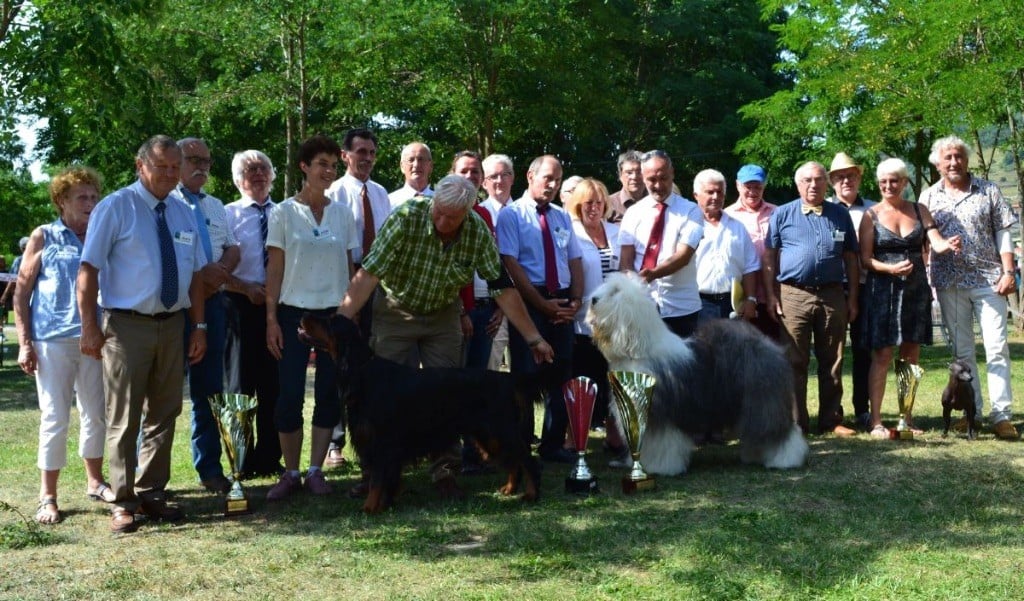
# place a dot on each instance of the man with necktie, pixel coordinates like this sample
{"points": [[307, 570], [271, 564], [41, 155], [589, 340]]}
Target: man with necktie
{"points": [[220, 248], [252, 369], [370, 206], [542, 256], [810, 250], [138, 264], [658, 238]]}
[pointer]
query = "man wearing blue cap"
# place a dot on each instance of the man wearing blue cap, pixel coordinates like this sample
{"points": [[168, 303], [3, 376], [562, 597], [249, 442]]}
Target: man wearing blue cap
{"points": [[754, 213]]}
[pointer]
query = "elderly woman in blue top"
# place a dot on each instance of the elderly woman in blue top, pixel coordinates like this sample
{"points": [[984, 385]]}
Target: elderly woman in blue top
{"points": [[49, 326]]}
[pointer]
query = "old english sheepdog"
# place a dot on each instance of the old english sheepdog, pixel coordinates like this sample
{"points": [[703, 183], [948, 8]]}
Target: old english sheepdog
{"points": [[727, 376]]}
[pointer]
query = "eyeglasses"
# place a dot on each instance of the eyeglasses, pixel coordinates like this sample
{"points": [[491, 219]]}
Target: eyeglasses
{"points": [[256, 168], [200, 161], [496, 176]]}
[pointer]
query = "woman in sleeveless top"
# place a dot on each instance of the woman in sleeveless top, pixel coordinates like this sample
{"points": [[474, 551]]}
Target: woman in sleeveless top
{"points": [[49, 327], [896, 296]]}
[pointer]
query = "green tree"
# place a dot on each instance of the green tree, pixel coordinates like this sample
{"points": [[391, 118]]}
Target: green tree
{"points": [[886, 78]]}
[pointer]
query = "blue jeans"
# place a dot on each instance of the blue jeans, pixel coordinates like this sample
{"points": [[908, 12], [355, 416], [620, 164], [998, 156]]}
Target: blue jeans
{"points": [[206, 378], [291, 371]]}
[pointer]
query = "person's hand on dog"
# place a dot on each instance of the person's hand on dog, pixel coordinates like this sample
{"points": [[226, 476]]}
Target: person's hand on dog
{"points": [[275, 340], [543, 353]]}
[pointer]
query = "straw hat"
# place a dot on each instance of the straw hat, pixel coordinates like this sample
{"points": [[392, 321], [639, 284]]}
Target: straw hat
{"points": [[843, 161]]}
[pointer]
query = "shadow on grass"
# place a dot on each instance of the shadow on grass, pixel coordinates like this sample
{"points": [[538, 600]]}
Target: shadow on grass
{"points": [[816, 528]]}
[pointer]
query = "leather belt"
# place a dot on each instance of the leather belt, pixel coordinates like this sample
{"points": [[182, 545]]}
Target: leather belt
{"points": [[156, 316]]}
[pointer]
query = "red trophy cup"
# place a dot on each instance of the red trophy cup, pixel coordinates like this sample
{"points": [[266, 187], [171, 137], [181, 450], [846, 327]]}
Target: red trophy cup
{"points": [[580, 393]]}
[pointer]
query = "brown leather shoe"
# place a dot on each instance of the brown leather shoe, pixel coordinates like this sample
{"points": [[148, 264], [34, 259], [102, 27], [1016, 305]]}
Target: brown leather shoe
{"points": [[843, 432], [160, 511], [1004, 430], [122, 521]]}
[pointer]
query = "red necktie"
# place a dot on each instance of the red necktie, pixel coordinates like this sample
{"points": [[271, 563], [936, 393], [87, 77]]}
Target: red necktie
{"points": [[369, 233], [654, 240], [550, 270]]}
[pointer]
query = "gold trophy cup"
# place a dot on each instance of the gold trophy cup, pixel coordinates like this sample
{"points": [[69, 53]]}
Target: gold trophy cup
{"points": [[908, 376], [580, 394], [234, 414], [632, 392]]}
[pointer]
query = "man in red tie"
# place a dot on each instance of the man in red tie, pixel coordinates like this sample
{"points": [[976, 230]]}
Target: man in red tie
{"points": [[543, 258], [369, 203], [658, 237]]}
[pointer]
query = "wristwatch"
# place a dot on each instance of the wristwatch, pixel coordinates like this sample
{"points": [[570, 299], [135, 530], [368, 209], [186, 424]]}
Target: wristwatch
{"points": [[201, 325]]}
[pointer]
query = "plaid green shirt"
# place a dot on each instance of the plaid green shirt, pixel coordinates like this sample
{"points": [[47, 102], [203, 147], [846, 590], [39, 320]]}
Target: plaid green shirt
{"points": [[417, 269]]}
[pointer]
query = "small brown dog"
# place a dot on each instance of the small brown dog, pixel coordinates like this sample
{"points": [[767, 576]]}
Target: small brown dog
{"points": [[959, 394]]}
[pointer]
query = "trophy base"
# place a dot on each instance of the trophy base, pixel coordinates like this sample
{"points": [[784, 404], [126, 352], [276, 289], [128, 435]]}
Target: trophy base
{"points": [[235, 507], [895, 434], [581, 487], [630, 486]]}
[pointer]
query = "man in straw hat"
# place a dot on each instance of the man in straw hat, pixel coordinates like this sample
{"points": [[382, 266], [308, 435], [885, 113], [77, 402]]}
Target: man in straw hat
{"points": [[845, 175]]}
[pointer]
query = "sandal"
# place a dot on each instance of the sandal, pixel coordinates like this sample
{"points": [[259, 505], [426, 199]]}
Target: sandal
{"points": [[47, 512], [879, 431], [122, 521], [102, 493]]}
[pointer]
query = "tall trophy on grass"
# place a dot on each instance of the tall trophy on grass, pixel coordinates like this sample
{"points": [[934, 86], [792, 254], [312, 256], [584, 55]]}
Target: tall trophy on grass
{"points": [[908, 376], [234, 414], [580, 394], [632, 392]]}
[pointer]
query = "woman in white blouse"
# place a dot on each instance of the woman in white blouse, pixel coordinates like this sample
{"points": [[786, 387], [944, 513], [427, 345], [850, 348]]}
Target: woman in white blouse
{"points": [[309, 263]]}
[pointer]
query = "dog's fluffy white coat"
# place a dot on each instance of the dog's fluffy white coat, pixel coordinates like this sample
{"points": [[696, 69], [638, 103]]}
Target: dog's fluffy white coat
{"points": [[727, 376]]}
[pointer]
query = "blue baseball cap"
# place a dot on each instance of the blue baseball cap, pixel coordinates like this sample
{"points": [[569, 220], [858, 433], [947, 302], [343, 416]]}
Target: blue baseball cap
{"points": [[751, 173]]}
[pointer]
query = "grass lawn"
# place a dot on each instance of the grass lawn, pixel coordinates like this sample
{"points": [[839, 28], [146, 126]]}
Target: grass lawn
{"points": [[937, 518]]}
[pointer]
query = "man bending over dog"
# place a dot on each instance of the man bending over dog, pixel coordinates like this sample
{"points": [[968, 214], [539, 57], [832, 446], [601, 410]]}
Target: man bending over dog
{"points": [[426, 251]]}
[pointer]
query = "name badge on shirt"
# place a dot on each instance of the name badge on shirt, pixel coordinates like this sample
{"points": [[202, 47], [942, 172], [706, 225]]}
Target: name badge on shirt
{"points": [[183, 237], [322, 232], [839, 236], [66, 252], [561, 237]]}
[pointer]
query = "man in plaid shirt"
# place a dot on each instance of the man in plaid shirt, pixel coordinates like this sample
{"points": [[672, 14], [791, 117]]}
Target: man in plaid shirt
{"points": [[426, 251]]}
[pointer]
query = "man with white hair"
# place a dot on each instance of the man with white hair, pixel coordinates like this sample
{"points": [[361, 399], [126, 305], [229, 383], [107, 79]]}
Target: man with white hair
{"points": [[567, 189], [251, 369], [657, 240], [141, 264], [725, 253], [973, 284], [810, 250], [416, 164], [499, 174], [206, 378], [427, 250]]}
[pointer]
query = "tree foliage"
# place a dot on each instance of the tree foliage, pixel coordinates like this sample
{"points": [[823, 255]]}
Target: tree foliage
{"points": [[583, 79], [886, 78]]}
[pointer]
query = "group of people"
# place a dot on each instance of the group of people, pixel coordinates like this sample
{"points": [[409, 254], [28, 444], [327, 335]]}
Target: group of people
{"points": [[116, 299]]}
